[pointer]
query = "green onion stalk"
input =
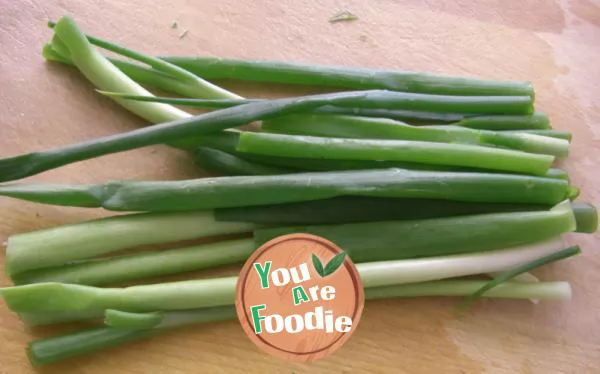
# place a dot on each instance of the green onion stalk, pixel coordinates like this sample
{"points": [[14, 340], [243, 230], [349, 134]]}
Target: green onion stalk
{"points": [[231, 163], [223, 192], [212, 292], [58, 253], [101, 272], [331, 76], [227, 142], [339, 126], [62, 347], [223, 163], [557, 134], [12, 168], [354, 209], [341, 77], [69, 243], [169, 77], [536, 121], [70, 44], [520, 270], [394, 150]]}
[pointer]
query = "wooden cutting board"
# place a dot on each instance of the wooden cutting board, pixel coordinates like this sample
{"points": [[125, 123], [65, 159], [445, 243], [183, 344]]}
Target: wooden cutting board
{"points": [[554, 44]]}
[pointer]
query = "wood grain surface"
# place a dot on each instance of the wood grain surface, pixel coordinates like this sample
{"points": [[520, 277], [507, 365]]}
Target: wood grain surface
{"points": [[553, 43]]}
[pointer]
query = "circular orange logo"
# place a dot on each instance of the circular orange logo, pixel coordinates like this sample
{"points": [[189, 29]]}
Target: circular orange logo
{"points": [[299, 297]]}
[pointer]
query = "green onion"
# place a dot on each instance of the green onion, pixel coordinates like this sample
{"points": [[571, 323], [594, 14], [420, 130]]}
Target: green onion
{"points": [[523, 277], [421, 117], [574, 192], [394, 150], [117, 318], [510, 274], [51, 54], [142, 265], [352, 209], [55, 254], [348, 209], [219, 104], [227, 141], [534, 122], [398, 100], [537, 121], [140, 74], [58, 348], [376, 274], [557, 173], [510, 121], [200, 293], [439, 236], [45, 319], [63, 297], [517, 290], [432, 106], [383, 273], [401, 100], [585, 215], [72, 44], [223, 192], [421, 102], [59, 245], [565, 135], [339, 126], [54, 349], [153, 264], [12, 168], [190, 102], [214, 160], [203, 88], [343, 77]]}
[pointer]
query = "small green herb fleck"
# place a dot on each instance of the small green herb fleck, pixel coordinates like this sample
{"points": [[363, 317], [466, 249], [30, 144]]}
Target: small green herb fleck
{"points": [[343, 16], [174, 25]]}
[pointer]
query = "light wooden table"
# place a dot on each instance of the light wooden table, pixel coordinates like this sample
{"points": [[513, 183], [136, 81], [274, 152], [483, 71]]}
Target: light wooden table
{"points": [[554, 44]]}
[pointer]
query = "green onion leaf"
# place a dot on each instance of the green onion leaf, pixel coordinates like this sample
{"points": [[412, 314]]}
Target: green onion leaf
{"points": [[128, 320], [509, 274]]}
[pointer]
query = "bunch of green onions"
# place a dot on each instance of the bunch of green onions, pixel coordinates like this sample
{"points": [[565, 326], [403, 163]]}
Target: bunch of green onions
{"points": [[422, 179]]}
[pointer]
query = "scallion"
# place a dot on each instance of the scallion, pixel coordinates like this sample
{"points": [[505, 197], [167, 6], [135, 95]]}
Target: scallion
{"points": [[394, 150], [523, 268], [344, 77], [63, 244], [142, 265], [339, 126], [433, 237], [17, 167], [217, 161], [58, 348], [223, 192], [71, 43], [100, 272], [204, 293]]}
